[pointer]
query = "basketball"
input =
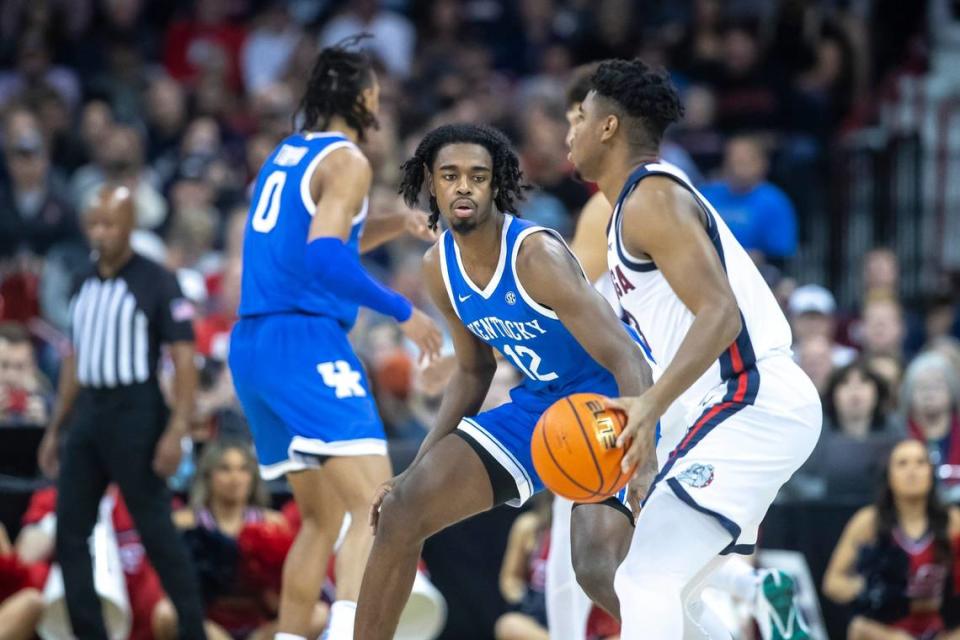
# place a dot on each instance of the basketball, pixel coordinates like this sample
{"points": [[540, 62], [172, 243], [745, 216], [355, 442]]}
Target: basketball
{"points": [[574, 448]]}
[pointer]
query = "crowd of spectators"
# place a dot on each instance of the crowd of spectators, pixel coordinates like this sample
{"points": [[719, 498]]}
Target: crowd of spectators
{"points": [[182, 102]]}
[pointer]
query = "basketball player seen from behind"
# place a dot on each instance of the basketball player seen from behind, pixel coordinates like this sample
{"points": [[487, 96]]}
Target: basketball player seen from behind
{"points": [[502, 283], [301, 386], [723, 345]]}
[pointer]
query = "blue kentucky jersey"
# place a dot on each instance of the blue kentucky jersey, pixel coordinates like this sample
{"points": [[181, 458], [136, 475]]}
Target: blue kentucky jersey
{"points": [[528, 334], [275, 279]]}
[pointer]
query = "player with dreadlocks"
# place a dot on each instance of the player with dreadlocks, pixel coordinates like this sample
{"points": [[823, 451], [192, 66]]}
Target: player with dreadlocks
{"points": [[302, 387], [508, 285]]}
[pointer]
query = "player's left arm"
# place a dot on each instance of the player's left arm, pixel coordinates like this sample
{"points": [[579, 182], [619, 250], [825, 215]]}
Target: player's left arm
{"points": [[662, 220]]}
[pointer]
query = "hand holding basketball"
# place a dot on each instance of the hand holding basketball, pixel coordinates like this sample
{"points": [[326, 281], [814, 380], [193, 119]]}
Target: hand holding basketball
{"points": [[638, 435], [574, 449]]}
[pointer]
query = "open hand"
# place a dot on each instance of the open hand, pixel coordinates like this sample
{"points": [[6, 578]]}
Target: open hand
{"points": [[639, 434]]}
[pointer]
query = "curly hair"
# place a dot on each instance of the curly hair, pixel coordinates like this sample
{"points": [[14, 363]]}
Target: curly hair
{"points": [[642, 92], [336, 85], [507, 182]]}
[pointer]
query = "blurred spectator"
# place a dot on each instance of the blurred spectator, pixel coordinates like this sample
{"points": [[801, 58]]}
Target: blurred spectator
{"points": [[856, 438], [611, 31], [33, 72], [758, 213], [930, 401], [35, 212], [166, 107], [206, 42], [881, 272], [393, 34], [815, 357], [120, 161], [545, 164], [812, 310], [523, 575], [890, 370], [269, 47], [697, 132], [228, 500], [25, 395], [882, 328], [893, 559], [273, 108], [748, 84]]}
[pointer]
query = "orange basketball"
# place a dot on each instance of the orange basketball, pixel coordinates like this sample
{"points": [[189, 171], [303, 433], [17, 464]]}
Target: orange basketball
{"points": [[574, 448]]}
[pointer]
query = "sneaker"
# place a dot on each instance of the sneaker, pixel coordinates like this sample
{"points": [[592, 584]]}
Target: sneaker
{"points": [[776, 608]]}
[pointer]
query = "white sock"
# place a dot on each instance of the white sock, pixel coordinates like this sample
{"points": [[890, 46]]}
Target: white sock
{"points": [[737, 577], [342, 614], [287, 636]]}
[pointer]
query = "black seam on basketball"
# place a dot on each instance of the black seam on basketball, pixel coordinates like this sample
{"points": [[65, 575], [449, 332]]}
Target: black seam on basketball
{"points": [[546, 445], [586, 439]]}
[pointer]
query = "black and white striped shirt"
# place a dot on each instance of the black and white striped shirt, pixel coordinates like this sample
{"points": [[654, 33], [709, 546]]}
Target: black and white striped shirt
{"points": [[119, 323]]}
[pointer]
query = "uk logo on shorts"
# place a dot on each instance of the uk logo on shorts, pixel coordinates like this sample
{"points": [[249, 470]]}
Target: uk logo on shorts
{"points": [[339, 376], [697, 475]]}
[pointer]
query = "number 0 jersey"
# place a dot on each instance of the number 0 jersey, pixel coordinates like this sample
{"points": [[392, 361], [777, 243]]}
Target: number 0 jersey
{"points": [[506, 317], [275, 279]]}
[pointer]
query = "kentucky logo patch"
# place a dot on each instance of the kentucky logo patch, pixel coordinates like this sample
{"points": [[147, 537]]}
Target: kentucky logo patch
{"points": [[697, 476]]}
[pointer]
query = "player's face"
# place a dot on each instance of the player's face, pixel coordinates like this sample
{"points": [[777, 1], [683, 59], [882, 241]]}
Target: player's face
{"points": [[910, 473], [462, 183], [585, 135]]}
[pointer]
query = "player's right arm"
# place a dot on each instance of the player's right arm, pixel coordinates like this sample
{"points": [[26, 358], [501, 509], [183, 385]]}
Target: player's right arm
{"points": [[841, 583], [338, 186], [467, 387], [475, 361], [589, 242]]}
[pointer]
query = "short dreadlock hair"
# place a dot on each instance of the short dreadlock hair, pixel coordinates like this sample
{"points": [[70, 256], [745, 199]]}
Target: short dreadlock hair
{"points": [[335, 87], [507, 181], [641, 92]]}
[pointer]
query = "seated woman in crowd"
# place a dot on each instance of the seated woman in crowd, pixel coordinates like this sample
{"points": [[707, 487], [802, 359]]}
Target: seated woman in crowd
{"points": [[930, 400], [228, 500], [893, 560], [857, 437]]}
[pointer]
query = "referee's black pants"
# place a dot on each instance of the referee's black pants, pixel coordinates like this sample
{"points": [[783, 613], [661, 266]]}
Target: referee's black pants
{"points": [[112, 437]]}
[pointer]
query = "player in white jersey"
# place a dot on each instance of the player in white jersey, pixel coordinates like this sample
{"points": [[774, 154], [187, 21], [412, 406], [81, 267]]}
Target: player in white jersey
{"points": [[751, 416]]}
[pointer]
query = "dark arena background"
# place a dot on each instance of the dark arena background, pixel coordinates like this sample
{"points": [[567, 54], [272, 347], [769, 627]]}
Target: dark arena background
{"points": [[826, 133]]}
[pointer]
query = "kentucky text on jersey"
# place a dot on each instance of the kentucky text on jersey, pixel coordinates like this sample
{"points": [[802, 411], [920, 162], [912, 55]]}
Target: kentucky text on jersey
{"points": [[491, 328]]}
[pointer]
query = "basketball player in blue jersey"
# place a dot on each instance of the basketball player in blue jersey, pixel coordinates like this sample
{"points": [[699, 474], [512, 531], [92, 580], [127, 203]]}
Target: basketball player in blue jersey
{"points": [[750, 416], [506, 284], [302, 387]]}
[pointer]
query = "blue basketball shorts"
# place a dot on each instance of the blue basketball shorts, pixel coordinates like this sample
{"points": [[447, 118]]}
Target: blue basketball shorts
{"points": [[304, 392]]}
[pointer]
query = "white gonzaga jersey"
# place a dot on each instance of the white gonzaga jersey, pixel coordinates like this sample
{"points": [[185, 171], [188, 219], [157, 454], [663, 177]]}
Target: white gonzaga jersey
{"points": [[652, 307]]}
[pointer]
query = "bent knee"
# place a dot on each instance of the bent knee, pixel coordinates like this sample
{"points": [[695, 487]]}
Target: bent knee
{"points": [[513, 626], [400, 522]]}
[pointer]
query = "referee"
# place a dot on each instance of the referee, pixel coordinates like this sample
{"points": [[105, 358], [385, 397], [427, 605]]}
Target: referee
{"points": [[120, 429]]}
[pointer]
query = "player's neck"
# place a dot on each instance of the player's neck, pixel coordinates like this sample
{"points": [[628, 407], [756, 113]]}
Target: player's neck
{"points": [[338, 125], [619, 168], [482, 244]]}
